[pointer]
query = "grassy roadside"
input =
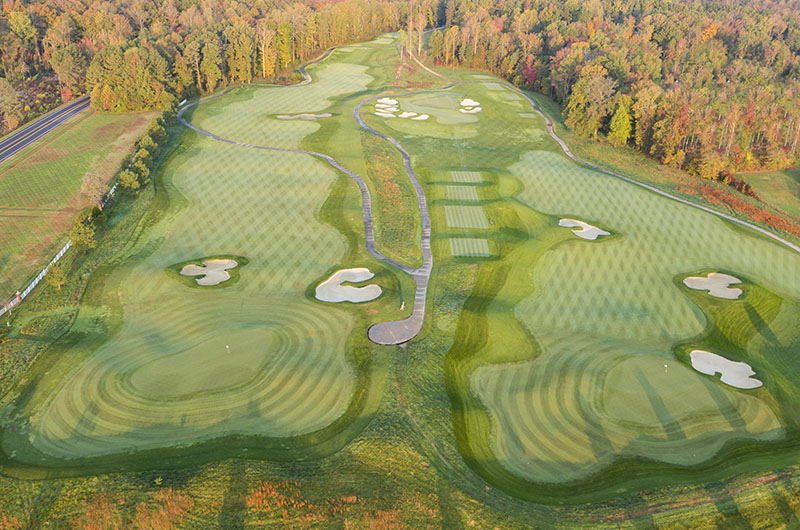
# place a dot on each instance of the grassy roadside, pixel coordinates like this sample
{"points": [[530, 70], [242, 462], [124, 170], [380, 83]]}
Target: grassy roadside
{"points": [[43, 187]]}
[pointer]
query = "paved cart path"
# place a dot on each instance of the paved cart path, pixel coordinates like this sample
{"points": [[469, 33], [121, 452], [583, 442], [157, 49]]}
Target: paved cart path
{"points": [[29, 134], [394, 332]]}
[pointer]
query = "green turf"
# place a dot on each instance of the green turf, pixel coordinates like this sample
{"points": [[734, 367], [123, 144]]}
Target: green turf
{"points": [[462, 193], [557, 371], [40, 188], [540, 368], [466, 176], [466, 217], [466, 246]]}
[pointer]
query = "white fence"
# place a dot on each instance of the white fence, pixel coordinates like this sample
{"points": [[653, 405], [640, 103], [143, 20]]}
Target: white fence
{"points": [[20, 296]]}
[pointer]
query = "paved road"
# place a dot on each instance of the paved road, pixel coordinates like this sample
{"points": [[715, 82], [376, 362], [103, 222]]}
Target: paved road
{"points": [[32, 132]]}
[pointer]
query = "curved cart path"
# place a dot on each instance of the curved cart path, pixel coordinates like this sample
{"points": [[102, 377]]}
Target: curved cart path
{"points": [[395, 332]]}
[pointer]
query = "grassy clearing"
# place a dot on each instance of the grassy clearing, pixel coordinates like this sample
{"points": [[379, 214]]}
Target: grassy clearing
{"points": [[780, 189], [40, 188]]}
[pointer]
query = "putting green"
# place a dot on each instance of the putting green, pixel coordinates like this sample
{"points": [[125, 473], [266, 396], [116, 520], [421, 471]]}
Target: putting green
{"points": [[250, 114]]}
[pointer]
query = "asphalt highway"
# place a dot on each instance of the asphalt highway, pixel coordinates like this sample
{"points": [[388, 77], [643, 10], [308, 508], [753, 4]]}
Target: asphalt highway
{"points": [[32, 132]]}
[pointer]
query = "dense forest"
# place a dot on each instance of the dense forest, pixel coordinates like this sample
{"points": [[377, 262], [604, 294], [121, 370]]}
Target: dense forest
{"points": [[143, 54], [709, 87]]}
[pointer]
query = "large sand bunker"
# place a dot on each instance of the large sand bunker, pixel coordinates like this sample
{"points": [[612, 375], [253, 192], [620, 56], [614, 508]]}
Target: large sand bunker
{"points": [[586, 231], [214, 271], [305, 116], [332, 290], [732, 373], [717, 285]]}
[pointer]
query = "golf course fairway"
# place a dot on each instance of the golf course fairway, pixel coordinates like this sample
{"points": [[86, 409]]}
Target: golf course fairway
{"points": [[567, 365]]}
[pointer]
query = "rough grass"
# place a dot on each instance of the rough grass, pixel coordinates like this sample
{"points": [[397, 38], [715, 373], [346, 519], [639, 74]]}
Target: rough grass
{"points": [[40, 188], [780, 189]]}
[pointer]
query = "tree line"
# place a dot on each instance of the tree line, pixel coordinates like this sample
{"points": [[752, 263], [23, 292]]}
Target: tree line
{"points": [[145, 54], [709, 87]]}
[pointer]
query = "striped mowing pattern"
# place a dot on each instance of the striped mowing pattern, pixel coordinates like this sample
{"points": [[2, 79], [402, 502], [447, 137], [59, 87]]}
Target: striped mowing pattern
{"points": [[467, 246], [528, 115], [466, 176], [462, 193], [511, 96], [465, 217], [494, 86]]}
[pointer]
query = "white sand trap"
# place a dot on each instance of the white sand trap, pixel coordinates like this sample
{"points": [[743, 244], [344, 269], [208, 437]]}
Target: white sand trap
{"points": [[385, 115], [732, 373], [471, 111], [407, 114], [305, 116], [213, 273], [388, 101], [385, 106], [421, 117], [716, 284], [586, 231], [466, 102], [332, 290]]}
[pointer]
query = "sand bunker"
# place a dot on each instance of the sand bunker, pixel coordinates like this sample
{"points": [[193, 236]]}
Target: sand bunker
{"points": [[716, 284], [214, 271], [386, 108], [470, 106], [332, 290], [305, 116], [586, 231], [732, 373]]}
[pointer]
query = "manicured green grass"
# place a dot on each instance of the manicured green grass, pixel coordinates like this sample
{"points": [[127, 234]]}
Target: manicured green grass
{"points": [[469, 246], [40, 188], [462, 193]]}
